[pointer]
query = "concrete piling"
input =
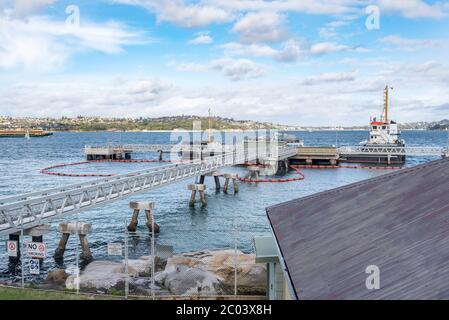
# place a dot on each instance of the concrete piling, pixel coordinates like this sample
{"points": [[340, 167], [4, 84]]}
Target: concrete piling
{"points": [[217, 182], [132, 227], [228, 178], [148, 207], [192, 198], [74, 227], [253, 172], [200, 189], [59, 252]]}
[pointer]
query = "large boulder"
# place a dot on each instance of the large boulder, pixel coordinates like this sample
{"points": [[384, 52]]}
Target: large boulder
{"points": [[223, 264], [99, 275], [183, 280], [56, 276], [142, 267]]}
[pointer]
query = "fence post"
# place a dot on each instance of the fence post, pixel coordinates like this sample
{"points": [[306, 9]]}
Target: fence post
{"points": [[153, 257], [126, 262], [22, 248], [235, 258]]}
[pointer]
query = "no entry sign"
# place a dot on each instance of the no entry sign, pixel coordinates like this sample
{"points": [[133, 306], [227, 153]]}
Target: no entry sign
{"points": [[36, 250], [11, 247]]}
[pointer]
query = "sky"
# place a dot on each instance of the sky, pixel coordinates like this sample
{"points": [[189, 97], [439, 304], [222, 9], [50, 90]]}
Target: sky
{"points": [[294, 62]]}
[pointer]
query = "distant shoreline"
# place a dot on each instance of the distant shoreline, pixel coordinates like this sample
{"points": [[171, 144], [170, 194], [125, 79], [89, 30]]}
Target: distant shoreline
{"points": [[226, 130]]}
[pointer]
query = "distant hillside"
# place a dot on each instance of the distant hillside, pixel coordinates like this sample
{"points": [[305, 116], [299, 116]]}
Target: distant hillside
{"points": [[434, 125], [121, 124]]}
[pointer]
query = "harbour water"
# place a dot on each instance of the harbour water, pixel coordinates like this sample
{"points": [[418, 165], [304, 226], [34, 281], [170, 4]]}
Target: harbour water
{"points": [[227, 218]]}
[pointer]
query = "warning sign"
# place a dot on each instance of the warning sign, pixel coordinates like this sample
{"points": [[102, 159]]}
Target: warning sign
{"points": [[114, 249], [34, 266], [11, 247], [36, 250]]}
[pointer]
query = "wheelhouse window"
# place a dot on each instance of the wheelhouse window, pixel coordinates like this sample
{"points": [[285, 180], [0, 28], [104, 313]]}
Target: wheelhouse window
{"points": [[375, 127]]}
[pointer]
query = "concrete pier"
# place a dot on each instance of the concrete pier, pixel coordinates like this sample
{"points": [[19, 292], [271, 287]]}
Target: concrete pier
{"points": [[316, 155], [74, 227], [200, 189], [234, 178], [148, 207]]}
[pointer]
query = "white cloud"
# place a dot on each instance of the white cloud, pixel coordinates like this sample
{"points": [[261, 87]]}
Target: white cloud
{"points": [[238, 69], [235, 69], [330, 77], [22, 8], [322, 48], [265, 27], [202, 38], [39, 43], [307, 6], [184, 14], [415, 8], [290, 50], [408, 44]]}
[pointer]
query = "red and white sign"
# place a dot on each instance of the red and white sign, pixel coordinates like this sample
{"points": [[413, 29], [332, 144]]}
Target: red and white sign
{"points": [[11, 246], [36, 250]]}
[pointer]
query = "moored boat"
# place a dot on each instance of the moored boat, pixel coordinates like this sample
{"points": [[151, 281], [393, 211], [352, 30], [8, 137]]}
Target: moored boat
{"points": [[384, 132], [24, 133]]}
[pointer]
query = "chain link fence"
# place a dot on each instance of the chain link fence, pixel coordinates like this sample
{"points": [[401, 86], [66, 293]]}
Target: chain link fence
{"points": [[137, 264]]}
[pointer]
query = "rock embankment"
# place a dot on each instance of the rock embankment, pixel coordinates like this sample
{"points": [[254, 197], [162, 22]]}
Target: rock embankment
{"points": [[195, 273]]}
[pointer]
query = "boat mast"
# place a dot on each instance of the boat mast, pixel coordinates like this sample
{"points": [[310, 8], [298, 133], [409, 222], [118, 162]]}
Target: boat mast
{"points": [[386, 105]]}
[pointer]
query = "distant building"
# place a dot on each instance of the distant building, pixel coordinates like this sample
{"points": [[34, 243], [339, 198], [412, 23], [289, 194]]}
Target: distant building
{"points": [[382, 238]]}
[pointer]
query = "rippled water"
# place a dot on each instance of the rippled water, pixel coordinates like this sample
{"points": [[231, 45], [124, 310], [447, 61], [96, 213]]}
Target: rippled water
{"points": [[186, 229]]}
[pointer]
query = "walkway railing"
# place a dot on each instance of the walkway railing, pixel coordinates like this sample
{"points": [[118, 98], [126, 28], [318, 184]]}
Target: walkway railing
{"points": [[36, 208], [405, 151]]}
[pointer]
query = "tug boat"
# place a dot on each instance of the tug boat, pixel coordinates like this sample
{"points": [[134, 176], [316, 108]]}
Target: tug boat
{"points": [[384, 132]]}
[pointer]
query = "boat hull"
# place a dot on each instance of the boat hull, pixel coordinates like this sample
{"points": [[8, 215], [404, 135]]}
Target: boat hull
{"points": [[377, 158], [23, 135], [371, 159]]}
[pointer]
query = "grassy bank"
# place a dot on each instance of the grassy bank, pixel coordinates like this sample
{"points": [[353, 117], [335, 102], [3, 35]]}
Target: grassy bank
{"points": [[7, 293]]}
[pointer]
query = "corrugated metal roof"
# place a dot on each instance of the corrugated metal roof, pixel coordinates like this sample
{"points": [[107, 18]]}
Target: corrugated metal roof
{"points": [[398, 222]]}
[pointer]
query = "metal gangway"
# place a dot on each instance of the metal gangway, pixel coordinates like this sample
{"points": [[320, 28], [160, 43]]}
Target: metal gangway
{"points": [[36, 208], [400, 151]]}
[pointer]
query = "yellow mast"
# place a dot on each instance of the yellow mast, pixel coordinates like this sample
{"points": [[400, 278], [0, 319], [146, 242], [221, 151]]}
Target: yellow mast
{"points": [[210, 128], [386, 104]]}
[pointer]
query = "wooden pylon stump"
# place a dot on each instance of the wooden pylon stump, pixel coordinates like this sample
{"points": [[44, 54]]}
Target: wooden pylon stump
{"points": [[200, 188]]}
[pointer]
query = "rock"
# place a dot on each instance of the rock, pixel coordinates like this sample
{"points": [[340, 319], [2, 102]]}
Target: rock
{"points": [[183, 280], [99, 275], [142, 266], [57, 276], [251, 277]]}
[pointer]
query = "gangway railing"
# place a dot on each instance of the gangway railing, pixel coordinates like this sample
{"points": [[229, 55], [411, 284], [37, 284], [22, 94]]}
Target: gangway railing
{"points": [[35, 208]]}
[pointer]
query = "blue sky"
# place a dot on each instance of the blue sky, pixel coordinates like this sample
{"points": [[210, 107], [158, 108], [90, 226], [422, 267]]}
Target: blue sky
{"points": [[297, 62]]}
